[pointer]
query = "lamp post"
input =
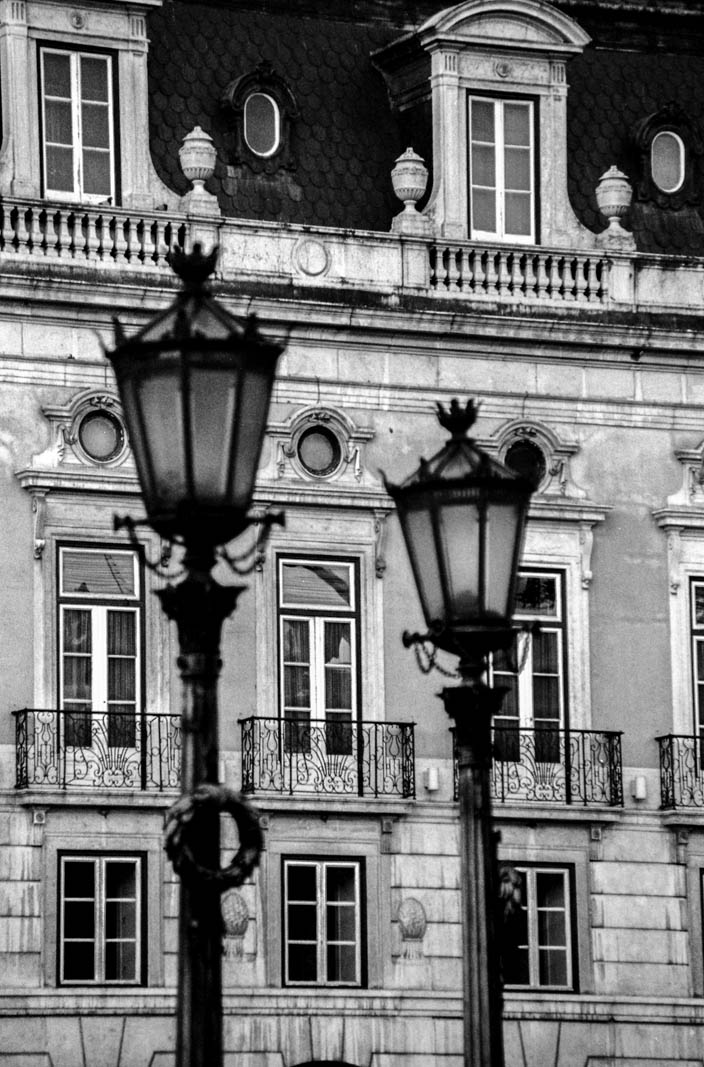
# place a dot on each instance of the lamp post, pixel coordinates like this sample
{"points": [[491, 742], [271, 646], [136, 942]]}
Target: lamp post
{"points": [[195, 385], [463, 517]]}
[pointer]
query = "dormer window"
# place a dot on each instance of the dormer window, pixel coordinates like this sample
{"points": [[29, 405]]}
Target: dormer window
{"points": [[77, 125], [262, 124], [667, 161], [502, 195]]}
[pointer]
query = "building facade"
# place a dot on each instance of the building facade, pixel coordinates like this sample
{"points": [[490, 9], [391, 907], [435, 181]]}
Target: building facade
{"points": [[500, 199]]}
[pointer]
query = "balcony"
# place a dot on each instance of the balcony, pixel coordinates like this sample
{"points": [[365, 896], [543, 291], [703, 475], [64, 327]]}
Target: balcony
{"points": [[93, 750], [553, 766], [681, 771], [328, 757]]}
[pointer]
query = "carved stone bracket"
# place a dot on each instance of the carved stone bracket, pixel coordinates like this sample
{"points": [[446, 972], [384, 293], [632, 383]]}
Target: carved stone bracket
{"points": [[586, 544], [39, 513], [380, 518]]}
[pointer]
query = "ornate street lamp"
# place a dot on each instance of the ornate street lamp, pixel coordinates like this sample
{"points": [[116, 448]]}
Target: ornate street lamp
{"points": [[195, 385], [463, 517]]}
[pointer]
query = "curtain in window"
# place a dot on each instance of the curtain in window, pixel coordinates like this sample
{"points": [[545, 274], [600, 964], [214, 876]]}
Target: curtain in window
{"points": [[77, 677], [122, 679]]}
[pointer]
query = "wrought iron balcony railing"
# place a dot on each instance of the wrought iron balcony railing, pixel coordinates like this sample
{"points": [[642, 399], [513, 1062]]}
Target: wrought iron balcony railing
{"points": [[328, 757], [548, 765], [97, 750], [681, 771]]}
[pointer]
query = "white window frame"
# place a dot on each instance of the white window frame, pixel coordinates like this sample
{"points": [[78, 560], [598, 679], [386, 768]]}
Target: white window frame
{"points": [[78, 194], [277, 124], [100, 901], [99, 605], [682, 161], [529, 875], [317, 616], [696, 640], [322, 943], [524, 654], [500, 191]]}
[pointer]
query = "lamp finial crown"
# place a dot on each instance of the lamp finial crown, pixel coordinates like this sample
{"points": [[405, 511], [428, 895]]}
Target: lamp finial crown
{"points": [[458, 418], [193, 268]]}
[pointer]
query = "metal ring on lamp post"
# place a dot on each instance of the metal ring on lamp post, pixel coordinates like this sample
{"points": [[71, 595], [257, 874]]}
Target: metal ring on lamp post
{"points": [[179, 826]]}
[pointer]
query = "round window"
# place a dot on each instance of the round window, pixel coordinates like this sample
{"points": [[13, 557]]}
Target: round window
{"points": [[667, 161], [261, 124], [528, 460], [101, 436], [319, 451]]}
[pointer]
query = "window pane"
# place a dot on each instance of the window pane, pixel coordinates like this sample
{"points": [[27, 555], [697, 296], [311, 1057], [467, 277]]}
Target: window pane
{"points": [[516, 124], [340, 883], [517, 169], [79, 878], [341, 922], [338, 688], [96, 173], [120, 961], [94, 78], [79, 919], [121, 680], [553, 967], [77, 630], [301, 882], [95, 120], [59, 169], [120, 880], [483, 165], [77, 679], [302, 922], [122, 633], [550, 889], [484, 210], [700, 659], [482, 118], [342, 963], [516, 967], [337, 642], [316, 584], [545, 652], [297, 640], [79, 961], [536, 595], [546, 698], [667, 159], [98, 573], [699, 605], [296, 687], [57, 123], [302, 963], [551, 929], [261, 124], [120, 919], [518, 215], [57, 74]]}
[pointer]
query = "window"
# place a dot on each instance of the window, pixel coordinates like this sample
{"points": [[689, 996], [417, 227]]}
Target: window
{"points": [[322, 922], [667, 161], [101, 436], [697, 627], [318, 451], [541, 954], [77, 125], [100, 920], [318, 640], [532, 672], [99, 646], [502, 197], [261, 124]]}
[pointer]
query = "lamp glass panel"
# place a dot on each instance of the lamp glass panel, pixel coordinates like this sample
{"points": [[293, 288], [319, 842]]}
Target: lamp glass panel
{"points": [[249, 428], [503, 527], [162, 416], [460, 544], [212, 410], [420, 538]]}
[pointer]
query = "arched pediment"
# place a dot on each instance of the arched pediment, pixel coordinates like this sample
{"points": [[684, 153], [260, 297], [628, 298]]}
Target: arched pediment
{"points": [[527, 24]]}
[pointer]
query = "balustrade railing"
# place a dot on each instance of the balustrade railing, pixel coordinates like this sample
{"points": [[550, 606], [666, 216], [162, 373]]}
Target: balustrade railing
{"points": [[328, 757], [526, 274], [553, 766], [97, 750], [681, 771], [98, 234]]}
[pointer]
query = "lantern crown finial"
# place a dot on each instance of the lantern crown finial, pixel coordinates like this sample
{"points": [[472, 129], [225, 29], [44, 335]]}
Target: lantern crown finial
{"points": [[194, 268], [458, 418]]}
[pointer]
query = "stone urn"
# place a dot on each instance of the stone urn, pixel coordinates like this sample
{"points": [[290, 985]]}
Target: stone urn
{"points": [[197, 156], [409, 178], [613, 197]]}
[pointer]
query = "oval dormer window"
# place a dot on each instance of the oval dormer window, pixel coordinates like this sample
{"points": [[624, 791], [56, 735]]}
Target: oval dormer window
{"points": [[667, 161], [261, 124]]}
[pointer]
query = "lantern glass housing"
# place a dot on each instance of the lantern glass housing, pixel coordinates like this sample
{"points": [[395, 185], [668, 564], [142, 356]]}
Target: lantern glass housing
{"points": [[195, 385], [463, 517]]}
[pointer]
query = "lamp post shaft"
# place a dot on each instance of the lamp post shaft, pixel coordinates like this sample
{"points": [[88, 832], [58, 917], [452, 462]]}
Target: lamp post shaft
{"points": [[471, 706], [199, 606]]}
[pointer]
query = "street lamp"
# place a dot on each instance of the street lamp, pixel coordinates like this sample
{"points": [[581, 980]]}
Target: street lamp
{"points": [[463, 517], [195, 385]]}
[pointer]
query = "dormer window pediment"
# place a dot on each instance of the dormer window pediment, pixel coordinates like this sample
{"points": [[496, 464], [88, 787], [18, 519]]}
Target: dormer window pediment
{"points": [[513, 53]]}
